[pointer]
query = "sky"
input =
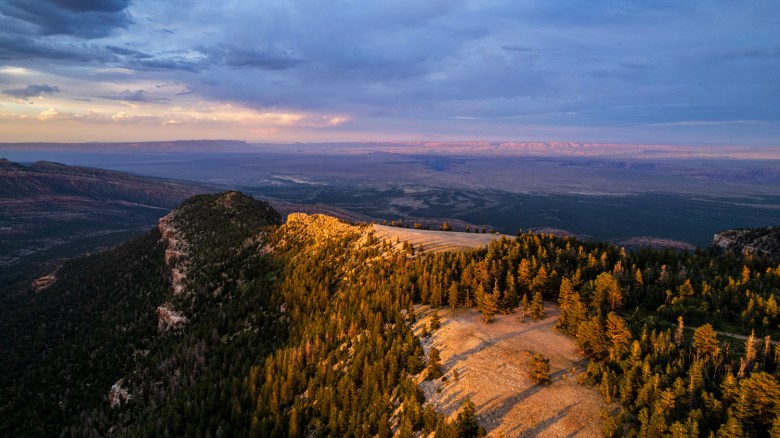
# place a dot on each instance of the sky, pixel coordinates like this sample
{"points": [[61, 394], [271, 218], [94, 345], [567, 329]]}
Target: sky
{"points": [[644, 71]]}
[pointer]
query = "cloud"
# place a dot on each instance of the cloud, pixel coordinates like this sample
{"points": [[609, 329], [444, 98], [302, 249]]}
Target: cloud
{"points": [[511, 48], [137, 96], [437, 66], [50, 114], [18, 48], [33, 90], [86, 19], [128, 52], [238, 57]]}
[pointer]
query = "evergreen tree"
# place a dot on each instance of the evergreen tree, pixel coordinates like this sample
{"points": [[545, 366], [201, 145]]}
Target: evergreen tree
{"points": [[510, 294], [435, 321], [758, 403], [434, 364], [619, 335], [705, 342], [453, 295], [537, 306], [486, 303], [540, 368], [607, 292], [466, 425], [679, 333], [525, 305]]}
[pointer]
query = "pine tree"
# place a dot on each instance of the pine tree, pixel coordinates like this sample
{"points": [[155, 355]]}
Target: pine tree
{"points": [[525, 304], [695, 382], [486, 303], [590, 337], [510, 294], [434, 364], [466, 425], [607, 292], [750, 349], [524, 276], [541, 282], [619, 335], [758, 403], [638, 280], [705, 342], [435, 321], [453, 295], [679, 333], [537, 306], [540, 368]]}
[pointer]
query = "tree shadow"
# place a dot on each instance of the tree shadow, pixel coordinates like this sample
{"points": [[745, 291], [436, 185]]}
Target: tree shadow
{"points": [[486, 343], [453, 401], [543, 425]]}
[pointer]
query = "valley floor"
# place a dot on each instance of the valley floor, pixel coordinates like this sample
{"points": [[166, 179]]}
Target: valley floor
{"points": [[492, 362]]}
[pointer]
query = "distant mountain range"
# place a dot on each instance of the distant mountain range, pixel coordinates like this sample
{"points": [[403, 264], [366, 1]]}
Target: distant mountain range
{"points": [[50, 210], [507, 148]]}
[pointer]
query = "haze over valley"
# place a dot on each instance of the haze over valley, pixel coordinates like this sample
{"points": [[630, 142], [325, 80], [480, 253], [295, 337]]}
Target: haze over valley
{"points": [[602, 192]]}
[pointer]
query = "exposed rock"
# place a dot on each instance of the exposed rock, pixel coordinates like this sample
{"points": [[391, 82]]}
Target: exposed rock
{"points": [[751, 240], [117, 396], [655, 242], [44, 282], [227, 199], [168, 319], [176, 252]]}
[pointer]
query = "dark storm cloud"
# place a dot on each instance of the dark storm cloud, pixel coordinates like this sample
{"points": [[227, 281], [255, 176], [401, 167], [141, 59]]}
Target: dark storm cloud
{"points": [[33, 90], [79, 18], [17, 47]]}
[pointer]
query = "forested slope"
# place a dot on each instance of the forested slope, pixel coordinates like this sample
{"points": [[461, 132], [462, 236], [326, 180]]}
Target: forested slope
{"points": [[304, 330]]}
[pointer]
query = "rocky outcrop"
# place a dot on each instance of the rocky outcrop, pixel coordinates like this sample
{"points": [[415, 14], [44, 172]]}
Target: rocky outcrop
{"points": [[117, 396], [749, 240], [654, 242], [169, 319], [177, 259], [44, 282], [176, 252]]}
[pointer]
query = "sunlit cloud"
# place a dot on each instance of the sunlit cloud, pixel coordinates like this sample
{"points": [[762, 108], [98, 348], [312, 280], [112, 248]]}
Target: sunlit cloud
{"points": [[50, 114], [16, 71]]}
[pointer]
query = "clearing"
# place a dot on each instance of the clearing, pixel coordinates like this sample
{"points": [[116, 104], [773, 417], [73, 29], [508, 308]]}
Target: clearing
{"points": [[492, 361], [435, 241]]}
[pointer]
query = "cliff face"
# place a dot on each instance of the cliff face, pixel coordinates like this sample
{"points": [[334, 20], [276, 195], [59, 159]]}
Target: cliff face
{"points": [[176, 252], [750, 240]]}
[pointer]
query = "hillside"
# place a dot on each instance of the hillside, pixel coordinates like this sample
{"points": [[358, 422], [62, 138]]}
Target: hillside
{"points": [[222, 322], [100, 328], [492, 364], [752, 240], [433, 241], [50, 211]]}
